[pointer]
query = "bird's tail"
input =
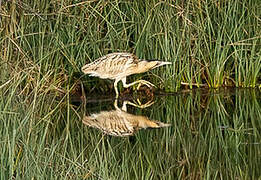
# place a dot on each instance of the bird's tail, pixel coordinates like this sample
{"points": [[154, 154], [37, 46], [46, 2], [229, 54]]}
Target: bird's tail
{"points": [[85, 69]]}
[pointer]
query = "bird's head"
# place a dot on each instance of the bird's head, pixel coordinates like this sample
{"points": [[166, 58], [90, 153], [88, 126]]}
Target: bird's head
{"points": [[144, 66]]}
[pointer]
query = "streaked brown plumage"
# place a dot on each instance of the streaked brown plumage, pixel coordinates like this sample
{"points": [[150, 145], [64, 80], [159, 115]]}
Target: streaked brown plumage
{"points": [[117, 66], [120, 123]]}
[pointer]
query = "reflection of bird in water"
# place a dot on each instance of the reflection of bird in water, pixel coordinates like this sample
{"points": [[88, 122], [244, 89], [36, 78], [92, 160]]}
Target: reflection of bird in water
{"points": [[120, 123], [117, 66]]}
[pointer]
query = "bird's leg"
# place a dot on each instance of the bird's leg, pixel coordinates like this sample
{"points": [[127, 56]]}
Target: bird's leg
{"points": [[147, 83], [124, 106], [142, 106], [116, 88], [116, 104]]}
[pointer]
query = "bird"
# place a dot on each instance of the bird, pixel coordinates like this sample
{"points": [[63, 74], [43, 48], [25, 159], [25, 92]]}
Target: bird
{"points": [[121, 123], [117, 66]]}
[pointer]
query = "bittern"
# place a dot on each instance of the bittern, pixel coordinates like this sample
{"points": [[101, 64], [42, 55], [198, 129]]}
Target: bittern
{"points": [[120, 123], [117, 66]]}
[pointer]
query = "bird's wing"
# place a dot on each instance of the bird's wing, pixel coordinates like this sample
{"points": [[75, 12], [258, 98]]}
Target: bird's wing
{"points": [[110, 122], [112, 66]]}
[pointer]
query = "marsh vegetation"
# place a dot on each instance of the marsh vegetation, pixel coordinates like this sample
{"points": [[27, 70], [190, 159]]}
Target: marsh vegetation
{"points": [[215, 133]]}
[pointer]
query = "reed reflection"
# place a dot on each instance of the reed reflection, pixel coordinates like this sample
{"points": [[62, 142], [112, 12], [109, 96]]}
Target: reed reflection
{"points": [[119, 122]]}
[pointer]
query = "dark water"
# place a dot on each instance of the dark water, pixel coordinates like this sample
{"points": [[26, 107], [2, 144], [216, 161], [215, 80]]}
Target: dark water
{"points": [[199, 134], [213, 134]]}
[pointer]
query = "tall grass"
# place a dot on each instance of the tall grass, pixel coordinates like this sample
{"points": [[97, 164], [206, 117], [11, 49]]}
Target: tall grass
{"points": [[43, 45], [210, 43]]}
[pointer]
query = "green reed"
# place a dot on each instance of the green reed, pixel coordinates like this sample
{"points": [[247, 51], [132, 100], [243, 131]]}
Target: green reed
{"points": [[210, 43], [43, 46]]}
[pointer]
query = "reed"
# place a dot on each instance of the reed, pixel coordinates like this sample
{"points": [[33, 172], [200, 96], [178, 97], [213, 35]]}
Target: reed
{"points": [[210, 44]]}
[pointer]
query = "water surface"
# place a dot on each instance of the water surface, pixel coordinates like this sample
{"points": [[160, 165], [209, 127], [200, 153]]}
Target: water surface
{"points": [[212, 134]]}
